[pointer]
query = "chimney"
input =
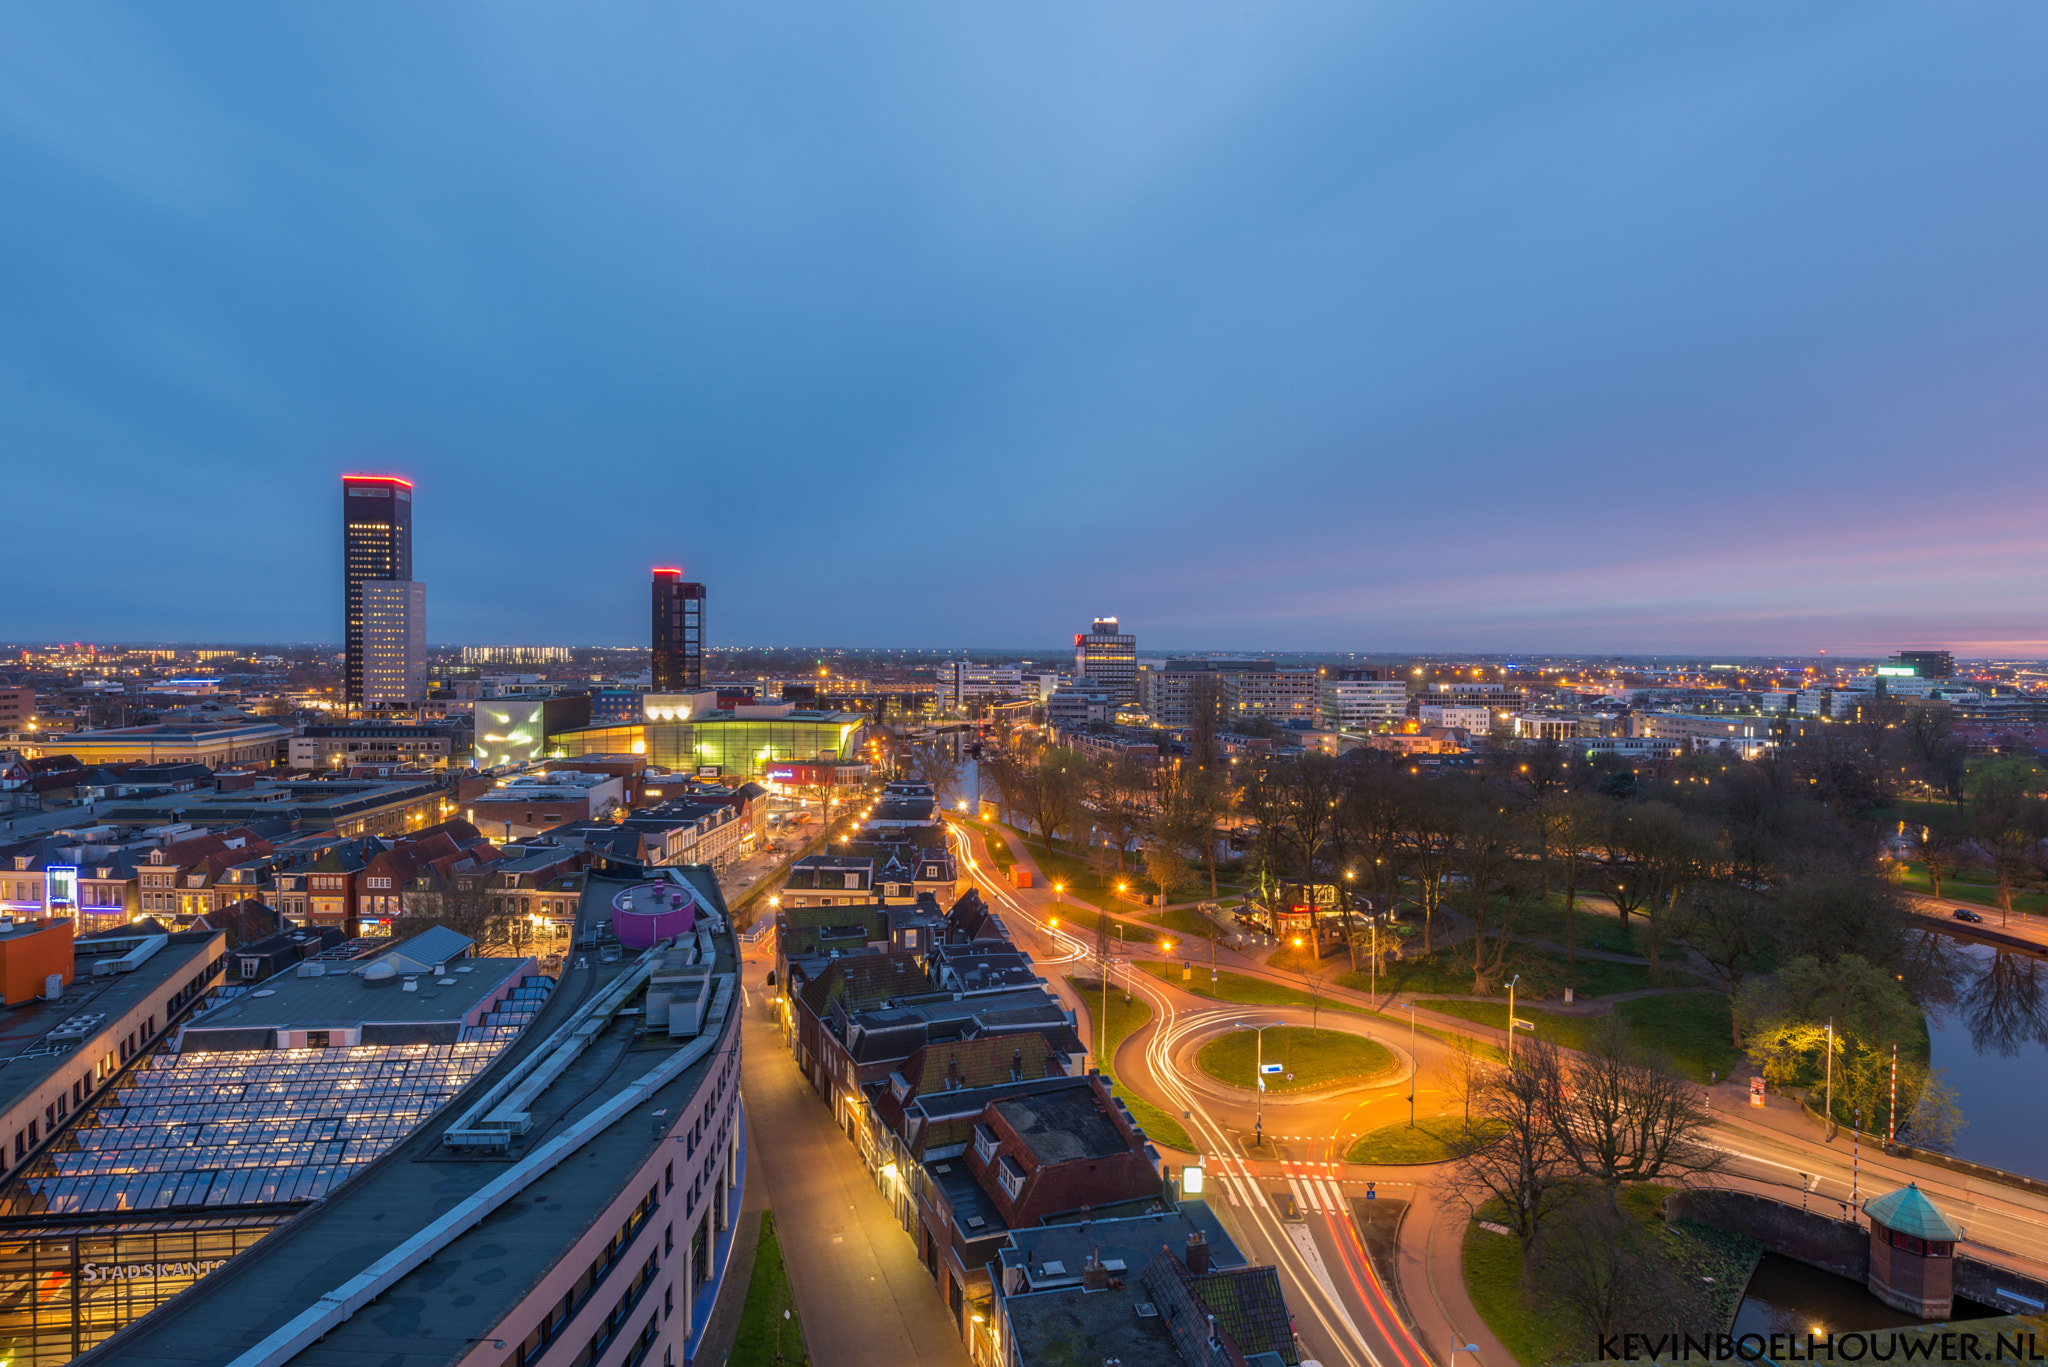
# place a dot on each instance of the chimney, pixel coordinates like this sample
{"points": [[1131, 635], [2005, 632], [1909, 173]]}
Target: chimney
{"points": [[1215, 1343], [1017, 1066], [1198, 1253], [952, 1072], [1095, 1277]]}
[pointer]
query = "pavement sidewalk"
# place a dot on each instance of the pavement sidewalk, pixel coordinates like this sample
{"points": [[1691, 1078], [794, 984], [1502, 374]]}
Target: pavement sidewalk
{"points": [[865, 1299]]}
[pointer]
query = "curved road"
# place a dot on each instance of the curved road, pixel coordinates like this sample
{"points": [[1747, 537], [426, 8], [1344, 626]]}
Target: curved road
{"points": [[1344, 1313]]}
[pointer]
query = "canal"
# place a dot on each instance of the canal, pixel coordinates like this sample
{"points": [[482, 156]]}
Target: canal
{"points": [[1991, 1041]]}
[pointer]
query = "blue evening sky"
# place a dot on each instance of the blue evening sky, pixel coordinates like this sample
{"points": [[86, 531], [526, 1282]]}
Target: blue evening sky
{"points": [[1349, 326]]}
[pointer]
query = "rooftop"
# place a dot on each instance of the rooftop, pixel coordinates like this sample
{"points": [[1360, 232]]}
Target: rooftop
{"points": [[27, 1057], [429, 1315], [349, 998], [1064, 1124]]}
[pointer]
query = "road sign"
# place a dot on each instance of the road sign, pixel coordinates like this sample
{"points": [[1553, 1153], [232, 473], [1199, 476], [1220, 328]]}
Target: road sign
{"points": [[1370, 1194], [1756, 1091], [1270, 1068], [1521, 1024], [1191, 1181]]}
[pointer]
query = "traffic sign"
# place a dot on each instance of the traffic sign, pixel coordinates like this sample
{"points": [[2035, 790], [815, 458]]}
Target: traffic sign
{"points": [[1521, 1024], [1271, 1067], [1370, 1194]]}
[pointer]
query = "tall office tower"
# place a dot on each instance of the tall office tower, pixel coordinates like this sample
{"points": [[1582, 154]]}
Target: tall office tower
{"points": [[394, 642], [1111, 659], [376, 543], [678, 633]]}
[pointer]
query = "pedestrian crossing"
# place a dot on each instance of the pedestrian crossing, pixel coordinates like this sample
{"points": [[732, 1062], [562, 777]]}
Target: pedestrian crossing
{"points": [[1318, 1188]]}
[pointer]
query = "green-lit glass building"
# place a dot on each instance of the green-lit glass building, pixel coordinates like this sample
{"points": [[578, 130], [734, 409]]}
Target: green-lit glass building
{"points": [[738, 747]]}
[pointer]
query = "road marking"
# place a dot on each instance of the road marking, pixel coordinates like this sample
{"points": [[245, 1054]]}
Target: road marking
{"points": [[1305, 1196], [1330, 1194]]}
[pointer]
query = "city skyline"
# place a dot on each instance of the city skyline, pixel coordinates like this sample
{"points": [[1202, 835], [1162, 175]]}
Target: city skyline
{"points": [[1613, 331]]}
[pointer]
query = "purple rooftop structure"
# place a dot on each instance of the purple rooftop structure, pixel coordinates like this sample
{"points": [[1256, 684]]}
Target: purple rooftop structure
{"points": [[648, 913]]}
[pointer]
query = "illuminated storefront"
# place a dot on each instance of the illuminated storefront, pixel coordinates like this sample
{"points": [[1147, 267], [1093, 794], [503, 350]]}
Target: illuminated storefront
{"points": [[732, 747]]}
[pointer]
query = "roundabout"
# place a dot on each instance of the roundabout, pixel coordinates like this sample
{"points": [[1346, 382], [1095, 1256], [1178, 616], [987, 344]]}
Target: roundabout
{"points": [[1306, 1060], [1213, 1054]]}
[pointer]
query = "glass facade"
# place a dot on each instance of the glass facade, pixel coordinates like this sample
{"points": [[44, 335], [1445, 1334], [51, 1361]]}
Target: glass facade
{"points": [[64, 1290], [739, 748]]}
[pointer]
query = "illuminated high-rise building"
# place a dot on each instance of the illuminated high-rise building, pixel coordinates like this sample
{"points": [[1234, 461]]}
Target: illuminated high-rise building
{"points": [[1109, 657], [394, 642], [678, 633], [376, 543]]}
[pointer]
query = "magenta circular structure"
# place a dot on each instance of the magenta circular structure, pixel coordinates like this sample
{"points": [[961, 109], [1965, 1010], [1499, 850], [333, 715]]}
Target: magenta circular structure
{"points": [[648, 913]]}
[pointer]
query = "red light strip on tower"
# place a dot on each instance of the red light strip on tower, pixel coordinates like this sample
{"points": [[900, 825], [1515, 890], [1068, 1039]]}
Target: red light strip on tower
{"points": [[384, 479]]}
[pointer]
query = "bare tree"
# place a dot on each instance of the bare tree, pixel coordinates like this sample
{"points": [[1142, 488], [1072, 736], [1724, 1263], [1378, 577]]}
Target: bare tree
{"points": [[1485, 858], [1513, 1159], [464, 902], [1627, 1116], [1941, 854], [2005, 823], [1575, 821], [1432, 818], [1121, 791], [1730, 928], [1462, 1074]]}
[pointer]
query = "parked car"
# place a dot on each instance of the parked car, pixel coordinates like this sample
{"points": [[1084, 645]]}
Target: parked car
{"points": [[1965, 914]]}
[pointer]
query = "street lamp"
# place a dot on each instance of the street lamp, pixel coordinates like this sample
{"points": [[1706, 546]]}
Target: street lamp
{"points": [[1511, 1016], [1472, 1348], [1259, 1076]]}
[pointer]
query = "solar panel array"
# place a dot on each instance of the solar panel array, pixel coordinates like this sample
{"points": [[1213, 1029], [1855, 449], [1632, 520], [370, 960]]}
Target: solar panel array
{"points": [[254, 1126]]}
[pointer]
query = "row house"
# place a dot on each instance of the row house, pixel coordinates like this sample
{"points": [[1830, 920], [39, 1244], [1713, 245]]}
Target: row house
{"points": [[864, 1015], [1019, 1153], [1162, 1304]]}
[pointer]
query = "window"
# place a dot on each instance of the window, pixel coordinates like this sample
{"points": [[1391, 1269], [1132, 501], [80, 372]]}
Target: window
{"points": [[1011, 1176], [984, 1143]]}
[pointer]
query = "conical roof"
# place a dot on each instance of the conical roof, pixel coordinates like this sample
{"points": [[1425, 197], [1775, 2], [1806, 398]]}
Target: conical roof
{"points": [[1908, 1211]]}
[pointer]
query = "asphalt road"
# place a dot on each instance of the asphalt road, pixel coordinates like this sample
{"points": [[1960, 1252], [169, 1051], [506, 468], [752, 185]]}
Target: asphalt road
{"points": [[1344, 1312]]}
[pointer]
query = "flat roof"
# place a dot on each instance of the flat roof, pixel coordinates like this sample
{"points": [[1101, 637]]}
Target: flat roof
{"points": [[23, 1027], [347, 998], [477, 1277], [1063, 1124]]}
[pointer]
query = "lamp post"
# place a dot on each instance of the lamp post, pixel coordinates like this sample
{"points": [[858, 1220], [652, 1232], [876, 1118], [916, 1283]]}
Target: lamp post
{"points": [[1471, 1348], [1411, 1063], [1259, 1077], [1511, 1017]]}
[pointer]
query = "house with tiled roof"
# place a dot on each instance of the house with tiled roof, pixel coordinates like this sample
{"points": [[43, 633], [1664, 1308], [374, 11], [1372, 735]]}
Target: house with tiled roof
{"points": [[957, 1065], [971, 918], [1033, 1151]]}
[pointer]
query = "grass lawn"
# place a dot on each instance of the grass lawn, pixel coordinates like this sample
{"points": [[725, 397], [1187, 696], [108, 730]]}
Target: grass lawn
{"points": [[762, 1329], [1493, 1278], [1537, 1333], [1311, 1058], [1124, 1018], [1594, 925], [1693, 1027], [998, 848], [1236, 987], [1428, 1140], [1545, 973], [1185, 923], [1956, 889]]}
